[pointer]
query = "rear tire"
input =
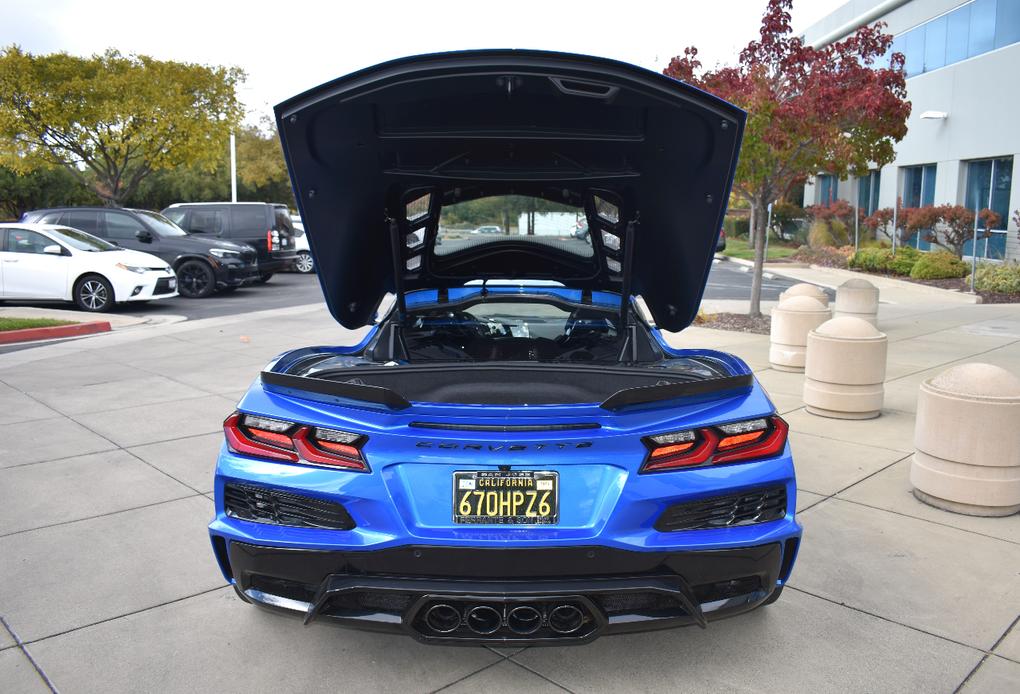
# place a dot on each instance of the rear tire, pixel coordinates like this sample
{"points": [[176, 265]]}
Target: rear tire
{"points": [[304, 263], [195, 279], [94, 294], [264, 277]]}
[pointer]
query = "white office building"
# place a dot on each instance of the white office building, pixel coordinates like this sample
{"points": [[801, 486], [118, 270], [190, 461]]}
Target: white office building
{"points": [[963, 139]]}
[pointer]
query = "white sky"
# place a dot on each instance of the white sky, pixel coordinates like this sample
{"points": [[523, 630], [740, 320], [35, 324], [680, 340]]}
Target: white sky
{"points": [[288, 46]]}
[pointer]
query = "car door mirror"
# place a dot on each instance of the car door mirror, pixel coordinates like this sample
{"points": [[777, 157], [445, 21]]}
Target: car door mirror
{"points": [[143, 236], [53, 250]]}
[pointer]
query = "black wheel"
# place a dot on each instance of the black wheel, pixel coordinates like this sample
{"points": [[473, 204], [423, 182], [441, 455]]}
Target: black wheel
{"points": [[304, 262], [263, 278], [775, 596], [94, 294], [195, 279]]}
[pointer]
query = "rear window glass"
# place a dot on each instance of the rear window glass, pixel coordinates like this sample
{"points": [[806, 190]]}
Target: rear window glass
{"points": [[86, 220], [283, 219], [512, 218], [248, 219]]}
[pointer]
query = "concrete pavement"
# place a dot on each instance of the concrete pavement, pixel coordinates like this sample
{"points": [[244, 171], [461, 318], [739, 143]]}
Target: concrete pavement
{"points": [[107, 582]]}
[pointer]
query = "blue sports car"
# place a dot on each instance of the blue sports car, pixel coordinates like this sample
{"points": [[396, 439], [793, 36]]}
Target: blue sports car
{"points": [[512, 452]]}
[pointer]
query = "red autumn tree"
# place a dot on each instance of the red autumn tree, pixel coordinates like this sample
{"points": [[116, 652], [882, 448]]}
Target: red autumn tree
{"points": [[838, 109]]}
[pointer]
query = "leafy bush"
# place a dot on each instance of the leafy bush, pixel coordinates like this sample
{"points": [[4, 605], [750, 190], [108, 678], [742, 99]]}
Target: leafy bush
{"points": [[883, 260], [737, 226], [827, 233], [826, 256], [993, 277], [938, 266]]}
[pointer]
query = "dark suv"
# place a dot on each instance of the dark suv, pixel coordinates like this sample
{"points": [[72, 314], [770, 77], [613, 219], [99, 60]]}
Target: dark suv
{"points": [[264, 226], [202, 265]]}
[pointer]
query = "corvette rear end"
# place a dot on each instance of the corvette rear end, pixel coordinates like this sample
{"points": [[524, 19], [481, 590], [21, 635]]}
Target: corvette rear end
{"points": [[513, 453]]}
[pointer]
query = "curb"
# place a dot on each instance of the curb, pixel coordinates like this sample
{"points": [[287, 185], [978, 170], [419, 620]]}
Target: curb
{"points": [[55, 331]]}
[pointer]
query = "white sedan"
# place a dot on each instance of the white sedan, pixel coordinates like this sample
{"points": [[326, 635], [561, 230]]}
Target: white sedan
{"points": [[48, 262]]}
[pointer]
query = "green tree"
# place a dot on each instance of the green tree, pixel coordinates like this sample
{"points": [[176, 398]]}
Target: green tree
{"points": [[113, 120], [43, 187]]}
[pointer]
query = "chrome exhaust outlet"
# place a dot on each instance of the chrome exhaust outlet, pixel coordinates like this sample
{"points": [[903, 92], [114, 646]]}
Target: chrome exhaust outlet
{"points": [[484, 620], [442, 618], [566, 619], [524, 620]]}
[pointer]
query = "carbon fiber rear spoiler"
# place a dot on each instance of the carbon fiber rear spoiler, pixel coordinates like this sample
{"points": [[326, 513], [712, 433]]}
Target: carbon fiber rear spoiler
{"points": [[333, 391]]}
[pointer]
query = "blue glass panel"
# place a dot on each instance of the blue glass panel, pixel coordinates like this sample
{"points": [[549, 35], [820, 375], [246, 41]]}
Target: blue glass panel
{"points": [[1007, 23], [928, 188], [982, 27], [979, 176], [864, 193], [957, 34], [1002, 181], [935, 44], [912, 186], [996, 246], [876, 186], [913, 49]]}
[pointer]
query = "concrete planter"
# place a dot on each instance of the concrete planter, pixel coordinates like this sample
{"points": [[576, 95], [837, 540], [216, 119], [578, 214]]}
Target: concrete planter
{"points": [[967, 441], [845, 369], [805, 289], [792, 320], [857, 298]]}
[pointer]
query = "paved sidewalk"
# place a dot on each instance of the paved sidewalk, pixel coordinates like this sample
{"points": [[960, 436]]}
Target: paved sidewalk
{"points": [[107, 581]]}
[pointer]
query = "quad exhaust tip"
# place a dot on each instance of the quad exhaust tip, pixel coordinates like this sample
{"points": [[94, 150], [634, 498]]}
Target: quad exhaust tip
{"points": [[484, 620], [523, 620], [566, 619], [442, 618]]}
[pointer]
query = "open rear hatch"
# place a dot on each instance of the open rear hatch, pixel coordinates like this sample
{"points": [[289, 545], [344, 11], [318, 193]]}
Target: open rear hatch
{"points": [[375, 155]]}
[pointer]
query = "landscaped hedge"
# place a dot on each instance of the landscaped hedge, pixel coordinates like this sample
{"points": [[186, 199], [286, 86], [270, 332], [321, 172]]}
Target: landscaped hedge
{"points": [[825, 256], [938, 266], [737, 226], [883, 260], [992, 277]]}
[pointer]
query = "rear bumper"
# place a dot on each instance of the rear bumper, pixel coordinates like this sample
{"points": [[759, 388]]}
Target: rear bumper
{"points": [[277, 262], [578, 593]]}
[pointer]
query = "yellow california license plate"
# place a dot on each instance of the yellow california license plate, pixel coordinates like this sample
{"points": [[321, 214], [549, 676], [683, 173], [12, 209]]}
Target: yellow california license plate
{"points": [[511, 497]]}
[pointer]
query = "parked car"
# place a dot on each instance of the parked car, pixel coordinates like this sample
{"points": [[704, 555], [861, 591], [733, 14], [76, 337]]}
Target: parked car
{"points": [[264, 226], [40, 262], [720, 243], [202, 265], [304, 262], [488, 229], [513, 452]]}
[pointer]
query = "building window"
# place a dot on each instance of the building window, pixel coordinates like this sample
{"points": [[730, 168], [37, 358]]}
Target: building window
{"points": [[970, 30], [988, 185], [828, 188], [919, 191], [919, 185], [867, 191]]}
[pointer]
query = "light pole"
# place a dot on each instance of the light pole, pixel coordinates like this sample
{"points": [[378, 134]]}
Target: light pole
{"points": [[233, 167]]}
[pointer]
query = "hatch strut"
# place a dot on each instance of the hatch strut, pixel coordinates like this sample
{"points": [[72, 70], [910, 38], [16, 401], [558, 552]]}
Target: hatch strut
{"points": [[398, 270], [629, 348]]}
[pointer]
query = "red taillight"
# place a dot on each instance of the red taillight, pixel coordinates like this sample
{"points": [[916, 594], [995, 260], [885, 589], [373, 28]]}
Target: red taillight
{"points": [[727, 443], [276, 439]]}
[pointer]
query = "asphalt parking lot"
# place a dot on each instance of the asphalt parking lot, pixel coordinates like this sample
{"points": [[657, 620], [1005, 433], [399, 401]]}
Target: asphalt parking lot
{"points": [[288, 289]]}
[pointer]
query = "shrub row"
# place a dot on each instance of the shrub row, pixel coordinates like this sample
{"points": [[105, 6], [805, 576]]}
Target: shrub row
{"points": [[1004, 278], [909, 262]]}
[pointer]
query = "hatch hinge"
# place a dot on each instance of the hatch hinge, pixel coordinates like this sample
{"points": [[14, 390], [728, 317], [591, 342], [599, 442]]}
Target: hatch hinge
{"points": [[586, 297], [444, 295]]}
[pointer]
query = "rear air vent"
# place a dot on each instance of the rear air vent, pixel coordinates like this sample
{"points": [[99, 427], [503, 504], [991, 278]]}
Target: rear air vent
{"points": [[263, 505], [756, 506], [504, 428]]}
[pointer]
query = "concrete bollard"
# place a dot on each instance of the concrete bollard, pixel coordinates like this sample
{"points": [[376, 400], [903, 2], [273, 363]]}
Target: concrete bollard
{"points": [[845, 369], [967, 441], [857, 298], [792, 320], [805, 289]]}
